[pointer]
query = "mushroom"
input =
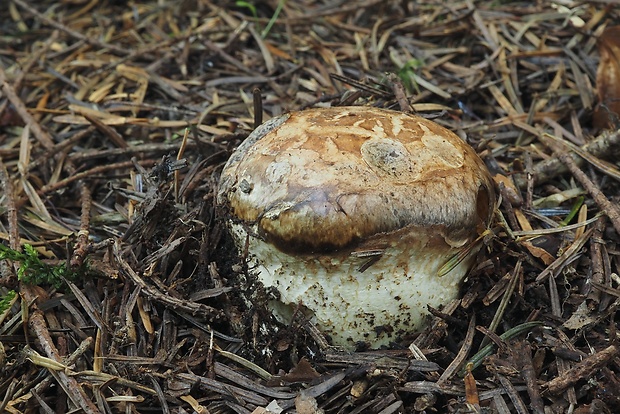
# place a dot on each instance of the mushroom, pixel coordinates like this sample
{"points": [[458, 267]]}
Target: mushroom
{"points": [[351, 214]]}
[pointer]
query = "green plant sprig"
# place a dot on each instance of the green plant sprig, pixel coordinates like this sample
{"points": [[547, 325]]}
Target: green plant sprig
{"points": [[6, 301], [33, 270], [252, 8]]}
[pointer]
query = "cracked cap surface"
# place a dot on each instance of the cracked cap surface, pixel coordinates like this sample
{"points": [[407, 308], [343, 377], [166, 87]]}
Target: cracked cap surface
{"points": [[326, 179]]}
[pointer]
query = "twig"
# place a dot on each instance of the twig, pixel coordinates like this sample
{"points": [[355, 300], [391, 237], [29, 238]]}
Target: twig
{"points": [[461, 355], [564, 364], [522, 354], [81, 246], [519, 405], [208, 384], [503, 305], [160, 395], [8, 395], [399, 93], [565, 258], [70, 360], [227, 57], [114, 137], [101, 378], [529, 181], [61, 146], [582, 370], [69, 384], [597, 249], [34, 58], [93, 171], [258, 107], [604, 146], [509, 213], [380, 360], [93, 154], [46, 409], [9, 279], [42, 136], [11, 212], [612, 210], [476, 360]]}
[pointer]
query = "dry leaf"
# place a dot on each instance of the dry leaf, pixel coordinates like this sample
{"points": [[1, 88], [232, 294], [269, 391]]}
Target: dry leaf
{"points": [[608, 78], [471, 390], [274, 50], [195, 405], [302, 372], [539, 252], [523, 221], [512, 192], [273, 408], [580, 318]]}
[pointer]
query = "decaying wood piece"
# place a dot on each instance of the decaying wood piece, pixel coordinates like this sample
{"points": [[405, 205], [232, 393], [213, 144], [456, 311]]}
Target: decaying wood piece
{"points": [[581, 370], [381, 361], [81, 247], [522, 355]]}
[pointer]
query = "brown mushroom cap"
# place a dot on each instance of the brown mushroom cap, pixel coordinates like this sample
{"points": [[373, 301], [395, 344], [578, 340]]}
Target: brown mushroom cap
{"points": [[327, 179]]}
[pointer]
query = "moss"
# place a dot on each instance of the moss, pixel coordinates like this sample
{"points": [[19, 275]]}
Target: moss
{"points": [[33, 270]]}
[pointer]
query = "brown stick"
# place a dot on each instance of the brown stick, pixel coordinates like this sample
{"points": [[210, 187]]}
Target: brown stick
{"points": [[399, 93], [93, 171], [597, 251], [604, 146], [81, 246], [522, 354], [612, 210], [42, 136], [69, 384], [583, 369], [519, 405]]}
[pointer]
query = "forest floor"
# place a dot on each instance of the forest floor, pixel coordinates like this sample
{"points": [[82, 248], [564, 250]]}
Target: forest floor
{"points": [[122, 291]]}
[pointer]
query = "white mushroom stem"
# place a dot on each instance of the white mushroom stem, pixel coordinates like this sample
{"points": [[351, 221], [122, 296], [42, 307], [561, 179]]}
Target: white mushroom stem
{"points": [[353, 297]]}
